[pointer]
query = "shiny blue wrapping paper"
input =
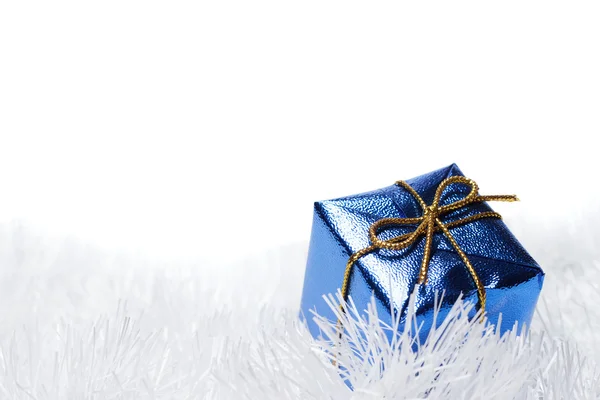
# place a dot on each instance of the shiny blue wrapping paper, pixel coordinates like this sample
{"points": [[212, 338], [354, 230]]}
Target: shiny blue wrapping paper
{"points": [[512, 279]]}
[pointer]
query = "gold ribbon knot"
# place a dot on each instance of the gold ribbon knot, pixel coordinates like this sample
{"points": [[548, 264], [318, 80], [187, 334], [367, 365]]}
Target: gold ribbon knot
{"points": [[428, 224]]}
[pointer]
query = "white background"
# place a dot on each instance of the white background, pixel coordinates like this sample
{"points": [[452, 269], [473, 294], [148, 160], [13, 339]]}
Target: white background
{"points": [[205, 130]]}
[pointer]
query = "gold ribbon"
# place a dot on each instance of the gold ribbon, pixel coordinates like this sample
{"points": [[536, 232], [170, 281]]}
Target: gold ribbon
{"points": [[428, 224]]}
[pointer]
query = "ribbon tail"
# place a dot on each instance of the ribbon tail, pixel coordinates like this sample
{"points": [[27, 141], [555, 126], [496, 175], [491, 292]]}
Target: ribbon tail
{"points": [[478, 284], [427, 252]]}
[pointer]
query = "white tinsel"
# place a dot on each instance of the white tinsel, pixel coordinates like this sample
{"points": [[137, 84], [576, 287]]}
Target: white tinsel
{"points": [[78, 323]]}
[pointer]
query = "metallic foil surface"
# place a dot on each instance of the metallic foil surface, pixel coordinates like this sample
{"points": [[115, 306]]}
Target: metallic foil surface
{"points": [[512, 279]]}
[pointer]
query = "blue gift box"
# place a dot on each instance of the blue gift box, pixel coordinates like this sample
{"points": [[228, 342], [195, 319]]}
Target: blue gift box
{"points": [[508, 275]]}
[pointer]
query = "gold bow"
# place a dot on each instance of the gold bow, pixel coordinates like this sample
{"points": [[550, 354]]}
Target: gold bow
{"points": [[429, 223]]}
